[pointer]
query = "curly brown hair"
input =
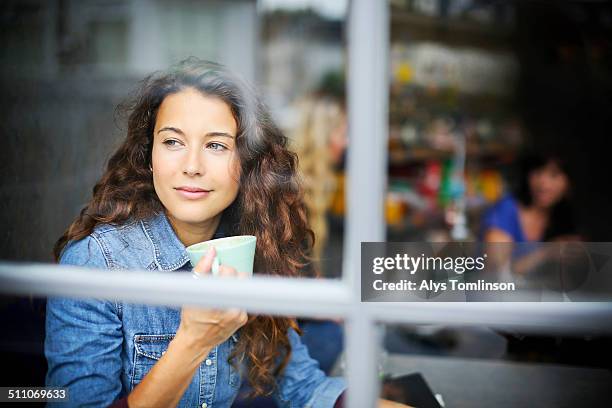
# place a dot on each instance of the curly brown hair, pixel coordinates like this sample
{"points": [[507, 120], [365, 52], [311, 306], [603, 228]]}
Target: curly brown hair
{"points": [[269, 204]]}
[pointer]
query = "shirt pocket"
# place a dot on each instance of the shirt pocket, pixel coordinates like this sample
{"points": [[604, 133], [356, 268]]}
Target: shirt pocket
{"points": [[148, 349]]}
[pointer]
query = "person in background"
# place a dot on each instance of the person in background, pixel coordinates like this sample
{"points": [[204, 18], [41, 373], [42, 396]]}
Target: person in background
{"points": [[541, 210], [320, 140]]}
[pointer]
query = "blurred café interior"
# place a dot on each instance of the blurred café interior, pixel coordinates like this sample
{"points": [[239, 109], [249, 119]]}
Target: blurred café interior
{"points": [[485, 97]]}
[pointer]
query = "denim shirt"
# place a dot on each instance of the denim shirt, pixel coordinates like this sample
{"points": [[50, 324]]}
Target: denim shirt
{"points": [[101, 349]]}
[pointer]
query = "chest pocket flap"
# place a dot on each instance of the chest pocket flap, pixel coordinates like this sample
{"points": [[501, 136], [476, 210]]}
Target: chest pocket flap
{"points": [[152, 345], [148, 349]]}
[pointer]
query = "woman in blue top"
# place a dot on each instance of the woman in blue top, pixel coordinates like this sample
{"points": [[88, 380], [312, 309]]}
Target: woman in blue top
{"points": [[202, 159], [541, 212]]}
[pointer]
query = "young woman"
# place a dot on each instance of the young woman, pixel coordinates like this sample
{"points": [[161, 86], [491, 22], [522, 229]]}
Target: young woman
{"points": [[202, 159], [541, 212], [319, 139]]}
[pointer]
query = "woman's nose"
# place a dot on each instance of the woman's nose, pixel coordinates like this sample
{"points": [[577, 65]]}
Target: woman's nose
{"points": [[191, 172], [193, 164]]}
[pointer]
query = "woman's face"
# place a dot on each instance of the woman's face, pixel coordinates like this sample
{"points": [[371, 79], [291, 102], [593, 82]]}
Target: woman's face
{"points": [[194, 148], [548, 185]]}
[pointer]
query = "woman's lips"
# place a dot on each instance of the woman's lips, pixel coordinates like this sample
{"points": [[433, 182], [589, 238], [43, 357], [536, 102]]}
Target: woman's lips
{"points": [[193, 195]]}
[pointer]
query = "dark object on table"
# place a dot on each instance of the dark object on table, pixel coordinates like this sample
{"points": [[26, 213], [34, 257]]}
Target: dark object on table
{"points": [[410, 389]]}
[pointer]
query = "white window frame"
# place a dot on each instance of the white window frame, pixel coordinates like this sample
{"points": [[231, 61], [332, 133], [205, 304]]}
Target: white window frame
{"points": [[368, 46]]}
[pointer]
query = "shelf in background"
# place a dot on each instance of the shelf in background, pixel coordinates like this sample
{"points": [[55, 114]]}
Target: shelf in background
{"points": [[416, 155]]}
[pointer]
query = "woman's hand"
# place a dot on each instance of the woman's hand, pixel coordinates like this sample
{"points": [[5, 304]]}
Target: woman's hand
{"points": [[205, 328], [199, 332]]}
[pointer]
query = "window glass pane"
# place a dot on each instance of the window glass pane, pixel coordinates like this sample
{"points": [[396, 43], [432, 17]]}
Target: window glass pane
{"points": [[67, 109], [476, 106]]}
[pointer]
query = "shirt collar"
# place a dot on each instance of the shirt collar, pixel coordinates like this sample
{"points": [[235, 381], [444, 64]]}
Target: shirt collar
{"points": [[170, 253]]}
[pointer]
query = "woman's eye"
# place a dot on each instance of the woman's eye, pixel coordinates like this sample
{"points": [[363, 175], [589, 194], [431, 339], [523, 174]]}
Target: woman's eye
{"points": [[170, 142], [215, 146]]}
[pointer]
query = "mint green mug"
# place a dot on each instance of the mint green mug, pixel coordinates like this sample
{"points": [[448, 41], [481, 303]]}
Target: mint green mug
{"points": [[237, 252]]}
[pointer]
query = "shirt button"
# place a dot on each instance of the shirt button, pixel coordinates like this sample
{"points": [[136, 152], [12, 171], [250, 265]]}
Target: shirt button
{"points": [[204, 405], [208, 362]]}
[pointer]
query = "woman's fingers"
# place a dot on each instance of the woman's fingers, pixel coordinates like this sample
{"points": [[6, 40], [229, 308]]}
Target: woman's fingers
{"points": [[225, 270], [239, 316], [204, 266], [227, 321]]}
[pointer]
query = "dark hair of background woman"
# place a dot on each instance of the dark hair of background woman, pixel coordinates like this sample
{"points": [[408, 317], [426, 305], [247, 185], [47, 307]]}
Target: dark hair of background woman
{"points": [[562, 217]]}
